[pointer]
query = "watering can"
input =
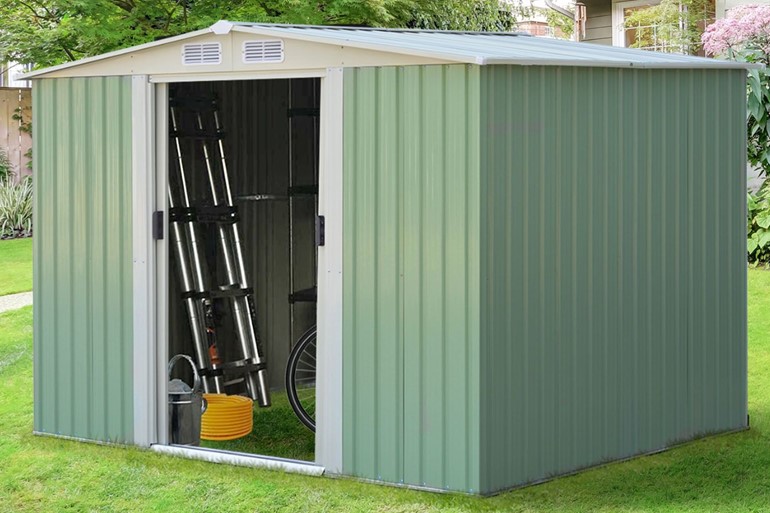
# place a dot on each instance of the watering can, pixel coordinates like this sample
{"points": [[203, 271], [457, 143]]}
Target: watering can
{"points": [[185, 406]]}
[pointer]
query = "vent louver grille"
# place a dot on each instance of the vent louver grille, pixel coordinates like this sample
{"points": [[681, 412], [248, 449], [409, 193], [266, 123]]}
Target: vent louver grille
{"points": [[201, 53], [263, 51]]}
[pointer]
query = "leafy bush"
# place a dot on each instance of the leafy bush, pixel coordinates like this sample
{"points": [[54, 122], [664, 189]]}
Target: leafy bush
{"points": [[744, 35], [759, 225], [6, 169], [16, 209]]}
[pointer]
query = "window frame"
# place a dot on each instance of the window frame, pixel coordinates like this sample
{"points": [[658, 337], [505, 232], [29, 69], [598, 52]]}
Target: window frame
{"points": [[618, 18]]}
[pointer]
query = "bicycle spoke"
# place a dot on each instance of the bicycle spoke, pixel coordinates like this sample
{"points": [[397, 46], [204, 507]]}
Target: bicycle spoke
{"points": [[301, 378]]}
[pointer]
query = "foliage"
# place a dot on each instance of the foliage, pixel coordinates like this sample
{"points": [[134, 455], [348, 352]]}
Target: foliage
{"points": [[744, 35], [671, 26], [25, 125], [479, 15], [16, 209], [759, 225], [48, 32], [744, 27], [560, 23], [15, 266], [6, 167]]}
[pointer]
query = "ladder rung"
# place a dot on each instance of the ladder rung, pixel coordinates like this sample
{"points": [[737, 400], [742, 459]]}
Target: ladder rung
{"points": [[233, 382], [220, 214], [231, 292]]}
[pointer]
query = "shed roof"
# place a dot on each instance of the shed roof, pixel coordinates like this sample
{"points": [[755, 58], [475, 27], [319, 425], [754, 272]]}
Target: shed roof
{"points": [[482, 48], [489, 47]]}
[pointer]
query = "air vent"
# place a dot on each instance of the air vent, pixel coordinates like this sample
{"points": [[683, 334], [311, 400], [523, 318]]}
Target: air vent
{"points": [[201, 53], [263, 51]]}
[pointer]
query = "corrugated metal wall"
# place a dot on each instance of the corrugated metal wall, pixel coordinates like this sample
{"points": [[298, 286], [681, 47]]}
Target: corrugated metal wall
{"points": [[411, 268], [82, 258], [254, 116], [613, 264]]}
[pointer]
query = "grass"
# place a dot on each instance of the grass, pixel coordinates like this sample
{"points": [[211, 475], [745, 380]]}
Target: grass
{"points": [[277, 432], [16, 268], [728, 473]]}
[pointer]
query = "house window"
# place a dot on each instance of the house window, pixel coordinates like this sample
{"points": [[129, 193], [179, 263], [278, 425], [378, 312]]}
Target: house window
{"points": [[662, 27], [8, 72], [647, 36]]}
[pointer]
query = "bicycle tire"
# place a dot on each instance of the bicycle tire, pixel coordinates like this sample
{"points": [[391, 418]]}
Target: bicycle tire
{"points": [[300, 378]]}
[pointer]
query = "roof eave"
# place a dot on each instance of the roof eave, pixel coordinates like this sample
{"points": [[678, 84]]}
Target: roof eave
{"points": [[705, 64], [45, 71]]}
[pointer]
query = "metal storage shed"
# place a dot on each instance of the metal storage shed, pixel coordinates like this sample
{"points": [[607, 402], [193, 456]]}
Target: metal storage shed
{"points": [[534, 255]]}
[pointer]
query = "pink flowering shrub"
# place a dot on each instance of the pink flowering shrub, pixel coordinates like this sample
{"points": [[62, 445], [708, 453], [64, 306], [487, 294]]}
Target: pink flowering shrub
{"points": [[744, 35], [744, 27]]}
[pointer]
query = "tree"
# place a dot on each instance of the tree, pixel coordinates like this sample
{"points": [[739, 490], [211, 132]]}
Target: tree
{"points": [[478, 15], [48, 32], [560, 23]]}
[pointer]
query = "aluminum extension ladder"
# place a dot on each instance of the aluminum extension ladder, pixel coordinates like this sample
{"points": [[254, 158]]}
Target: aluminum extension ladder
{"points": [[198, 292]]}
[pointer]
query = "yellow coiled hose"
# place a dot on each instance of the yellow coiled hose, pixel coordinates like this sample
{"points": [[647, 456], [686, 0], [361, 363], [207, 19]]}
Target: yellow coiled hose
{"points": [[227, 417]]}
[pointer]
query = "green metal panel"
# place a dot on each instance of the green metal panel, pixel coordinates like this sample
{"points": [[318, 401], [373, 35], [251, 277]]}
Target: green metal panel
{"points": [[82, 258], [411, 270], [717, 316], [613, 287]]}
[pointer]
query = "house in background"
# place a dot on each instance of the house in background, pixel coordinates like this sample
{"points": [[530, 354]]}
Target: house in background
{"points": [[9, 71], [605, 19], [535, 20]]}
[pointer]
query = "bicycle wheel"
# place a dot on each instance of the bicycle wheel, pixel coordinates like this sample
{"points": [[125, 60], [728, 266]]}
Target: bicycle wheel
{"points": [[300, 378]]}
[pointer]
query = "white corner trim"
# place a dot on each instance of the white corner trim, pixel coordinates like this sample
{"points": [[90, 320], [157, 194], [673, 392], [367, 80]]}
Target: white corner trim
{"points": [[329, 373], [143, 260], [160, 347]]}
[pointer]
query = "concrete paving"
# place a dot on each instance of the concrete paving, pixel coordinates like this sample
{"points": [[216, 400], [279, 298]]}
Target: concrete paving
{"points": [[14, 301]]}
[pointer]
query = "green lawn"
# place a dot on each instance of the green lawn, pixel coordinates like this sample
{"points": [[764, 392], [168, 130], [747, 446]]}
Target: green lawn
{"points": [[277, 432], [729, 473], [15, 266]]}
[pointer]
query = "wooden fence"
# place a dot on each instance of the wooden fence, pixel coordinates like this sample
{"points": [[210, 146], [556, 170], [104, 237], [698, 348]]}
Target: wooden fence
{"points": [[15, 103]]}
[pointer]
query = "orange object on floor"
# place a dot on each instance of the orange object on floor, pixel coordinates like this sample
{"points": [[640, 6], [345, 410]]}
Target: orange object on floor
{"points": [[227, 417]]}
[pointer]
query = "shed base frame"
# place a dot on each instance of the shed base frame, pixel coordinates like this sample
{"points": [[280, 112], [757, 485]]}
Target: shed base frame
{"points": [[43, 434], [310, 469], [241, 460]]}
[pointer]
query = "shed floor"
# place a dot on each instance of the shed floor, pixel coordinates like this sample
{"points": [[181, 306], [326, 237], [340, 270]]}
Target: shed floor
{"points": [[277, 432]]}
